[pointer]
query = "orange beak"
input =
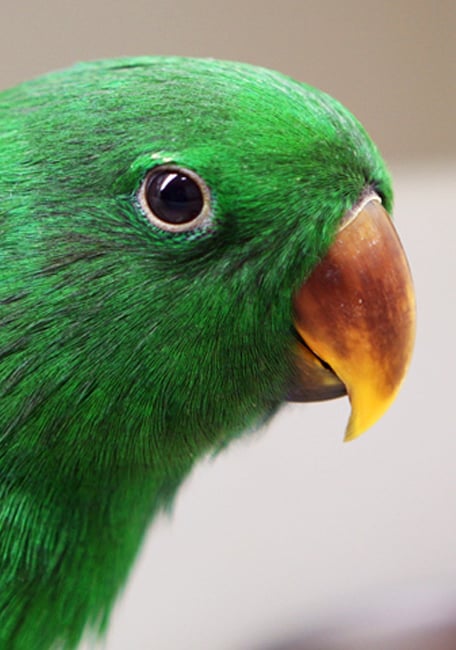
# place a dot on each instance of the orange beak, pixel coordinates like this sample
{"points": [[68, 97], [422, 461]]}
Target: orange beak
{"points": [[355, 316]]}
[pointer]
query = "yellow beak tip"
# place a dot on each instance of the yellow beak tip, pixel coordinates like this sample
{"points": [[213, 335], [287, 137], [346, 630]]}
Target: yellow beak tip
{"points": [[350, 435], [369, 404], [354, 430]]}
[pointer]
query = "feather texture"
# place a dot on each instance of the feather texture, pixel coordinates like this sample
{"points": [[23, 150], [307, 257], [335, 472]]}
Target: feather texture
{"points": [[127, 352]]}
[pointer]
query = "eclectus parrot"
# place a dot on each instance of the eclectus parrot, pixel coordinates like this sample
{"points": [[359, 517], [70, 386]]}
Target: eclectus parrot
{"points": [[185, 245]]}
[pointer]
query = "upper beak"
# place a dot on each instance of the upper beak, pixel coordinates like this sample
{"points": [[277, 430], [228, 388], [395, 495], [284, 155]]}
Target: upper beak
{"points": [[355, 316]]}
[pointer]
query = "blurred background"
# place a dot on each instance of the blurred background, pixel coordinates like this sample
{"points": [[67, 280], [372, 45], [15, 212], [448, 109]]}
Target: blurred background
{"points": [[292, 540]]}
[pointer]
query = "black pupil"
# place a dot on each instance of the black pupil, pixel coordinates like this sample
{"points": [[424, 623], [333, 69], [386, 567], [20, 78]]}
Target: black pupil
{"points": [[174, 197]]}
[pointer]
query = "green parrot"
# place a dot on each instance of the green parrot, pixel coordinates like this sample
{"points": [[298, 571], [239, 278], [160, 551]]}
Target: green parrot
{"points": [[185, 245]]}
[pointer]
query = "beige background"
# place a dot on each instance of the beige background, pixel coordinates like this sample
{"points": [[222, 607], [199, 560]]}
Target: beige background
{"points": [[291, 528]]}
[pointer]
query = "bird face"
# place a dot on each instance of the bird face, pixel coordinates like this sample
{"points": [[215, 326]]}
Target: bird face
{"points": [[185, 245], [183, 224]]}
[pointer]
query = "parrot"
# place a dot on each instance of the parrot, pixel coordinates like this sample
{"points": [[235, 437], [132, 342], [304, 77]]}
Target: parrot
{"points": [[186, 245]]}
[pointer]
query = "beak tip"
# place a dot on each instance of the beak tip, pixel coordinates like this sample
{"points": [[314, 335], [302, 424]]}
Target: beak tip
{"points": [[350, 434]]}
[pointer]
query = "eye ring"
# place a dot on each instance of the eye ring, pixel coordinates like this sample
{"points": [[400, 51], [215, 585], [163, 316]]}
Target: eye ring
{"points": [[174, 198]]}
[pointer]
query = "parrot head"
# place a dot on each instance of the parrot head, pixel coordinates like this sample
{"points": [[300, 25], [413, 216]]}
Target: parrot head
{"points": [[167, 215], [186, 244]]}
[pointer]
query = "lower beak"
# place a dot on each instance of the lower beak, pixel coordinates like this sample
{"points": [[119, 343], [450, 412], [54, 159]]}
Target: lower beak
{"points": [[355, 319]]}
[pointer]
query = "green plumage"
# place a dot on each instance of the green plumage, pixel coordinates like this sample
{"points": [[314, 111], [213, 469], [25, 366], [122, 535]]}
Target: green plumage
{"points": [[127, 352]]}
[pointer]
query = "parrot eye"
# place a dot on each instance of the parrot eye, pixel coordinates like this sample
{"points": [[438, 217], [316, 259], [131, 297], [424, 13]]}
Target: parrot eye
{"points": [[174, 198]]}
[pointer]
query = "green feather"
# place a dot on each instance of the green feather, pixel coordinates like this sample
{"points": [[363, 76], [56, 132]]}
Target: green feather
{"points": [[128, 352]]}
